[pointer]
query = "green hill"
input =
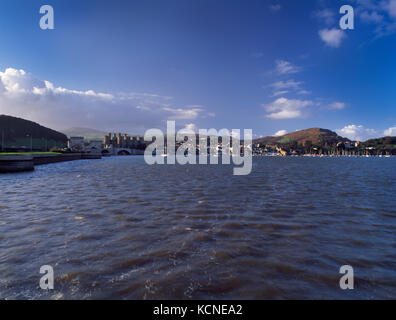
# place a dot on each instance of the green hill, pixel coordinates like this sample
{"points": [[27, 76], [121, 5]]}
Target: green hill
{"points": [[386, 145], [314, 136], [17, 133]]}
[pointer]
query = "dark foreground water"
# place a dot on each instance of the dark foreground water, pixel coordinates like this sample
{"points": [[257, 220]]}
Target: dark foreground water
{"points": [[119, 229]]}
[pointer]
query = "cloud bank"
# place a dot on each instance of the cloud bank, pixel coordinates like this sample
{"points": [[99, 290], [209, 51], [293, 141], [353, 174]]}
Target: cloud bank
{"points": [[23, 95], [358, 132]]}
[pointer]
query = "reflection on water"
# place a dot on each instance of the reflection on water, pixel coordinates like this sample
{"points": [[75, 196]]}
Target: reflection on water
{"points": [[119, 229]]}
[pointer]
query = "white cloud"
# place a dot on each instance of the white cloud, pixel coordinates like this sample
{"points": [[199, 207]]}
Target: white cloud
{"points": [[290, 84], [23, 95], [332, 37], [280, 133], [284, 108], [183, 114], [338, 105], [279, 93], [18, 82], [357, 133], [282, 88], [390, 132], [285, 67]]}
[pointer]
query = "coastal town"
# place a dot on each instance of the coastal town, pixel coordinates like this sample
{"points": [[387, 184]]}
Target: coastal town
{"points": [[112, 144], [25, 144]]}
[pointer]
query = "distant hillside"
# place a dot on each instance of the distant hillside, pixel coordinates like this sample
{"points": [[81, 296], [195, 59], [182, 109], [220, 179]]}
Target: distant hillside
{"points": [[314, 136], [323, 141], [87, 133], [387, 144], [20, 133]]}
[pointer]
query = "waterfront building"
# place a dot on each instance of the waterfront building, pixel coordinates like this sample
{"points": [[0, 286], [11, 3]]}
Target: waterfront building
{"points": [[107, 140], [76, 143]]}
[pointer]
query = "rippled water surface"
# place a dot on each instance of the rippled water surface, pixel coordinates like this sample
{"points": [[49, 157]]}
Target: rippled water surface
{"points": [[119, 229]]}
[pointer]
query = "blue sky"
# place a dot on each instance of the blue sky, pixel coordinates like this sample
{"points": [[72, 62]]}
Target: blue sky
{"points": [[271, 66]]}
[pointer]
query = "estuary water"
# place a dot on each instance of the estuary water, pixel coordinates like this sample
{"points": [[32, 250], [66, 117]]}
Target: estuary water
{"points": [[117, 228]]}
